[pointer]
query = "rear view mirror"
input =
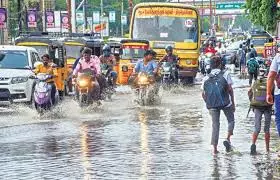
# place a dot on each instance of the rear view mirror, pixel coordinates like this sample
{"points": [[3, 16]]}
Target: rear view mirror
{"points": [[2, 56], [32, 77], [120, 51]]}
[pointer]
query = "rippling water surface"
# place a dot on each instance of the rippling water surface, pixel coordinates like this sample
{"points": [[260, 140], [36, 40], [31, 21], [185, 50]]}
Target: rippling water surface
{"points": [[121, 140]]}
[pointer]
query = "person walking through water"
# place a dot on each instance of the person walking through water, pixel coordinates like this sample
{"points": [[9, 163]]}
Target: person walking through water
{"points": [[218, 95], [257, 96], [273, 76], [242, 58], [253, 67]]}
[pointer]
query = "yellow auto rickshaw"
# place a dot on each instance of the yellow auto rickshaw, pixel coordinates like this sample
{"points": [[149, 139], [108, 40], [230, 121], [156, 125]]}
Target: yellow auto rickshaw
{"points": [[131, 51], [259, 39], [46, 43]]}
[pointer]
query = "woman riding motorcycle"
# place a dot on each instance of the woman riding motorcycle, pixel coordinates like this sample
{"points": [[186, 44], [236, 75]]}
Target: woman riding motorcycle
{"points": [[47, 68], [89, 61], [109, 61]]}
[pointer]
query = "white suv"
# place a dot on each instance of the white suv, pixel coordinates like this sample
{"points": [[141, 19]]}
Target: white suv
{"points": [[15, 64]]}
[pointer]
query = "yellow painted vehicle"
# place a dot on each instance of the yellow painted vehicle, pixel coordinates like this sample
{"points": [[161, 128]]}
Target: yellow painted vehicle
{"points": [[131, 51], [174, 24], [115, 46], [73, 42], [259, 39], [45, 43]]}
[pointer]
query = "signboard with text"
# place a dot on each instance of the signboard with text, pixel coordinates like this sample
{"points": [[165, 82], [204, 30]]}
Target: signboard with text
{"points": [[3, 18], [64, 20], [230, 5], [32, 18], [49, 19]]}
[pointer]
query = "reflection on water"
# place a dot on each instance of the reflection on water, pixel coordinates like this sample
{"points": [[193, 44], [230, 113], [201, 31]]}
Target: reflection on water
{"points": [[144, 145], [121, 141]]}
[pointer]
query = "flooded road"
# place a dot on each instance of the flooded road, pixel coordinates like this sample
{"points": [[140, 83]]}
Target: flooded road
{"points": [[121, 140]]}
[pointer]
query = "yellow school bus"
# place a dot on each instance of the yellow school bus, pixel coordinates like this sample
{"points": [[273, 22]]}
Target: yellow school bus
{"points": [[174, 24]]}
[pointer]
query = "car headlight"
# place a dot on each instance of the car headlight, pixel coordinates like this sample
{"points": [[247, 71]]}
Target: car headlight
{"points": [[17, 80]]}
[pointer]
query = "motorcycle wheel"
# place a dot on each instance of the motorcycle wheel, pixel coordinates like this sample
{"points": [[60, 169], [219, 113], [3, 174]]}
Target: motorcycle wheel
{"points": [[83, 100], [142, 97]]}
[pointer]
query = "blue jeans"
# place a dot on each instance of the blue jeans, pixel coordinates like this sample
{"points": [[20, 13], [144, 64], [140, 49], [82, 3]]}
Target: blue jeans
{"points": [[277, 112]]}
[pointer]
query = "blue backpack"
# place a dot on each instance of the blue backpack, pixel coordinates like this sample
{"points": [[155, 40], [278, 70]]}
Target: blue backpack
{"points": [[216, 91]]}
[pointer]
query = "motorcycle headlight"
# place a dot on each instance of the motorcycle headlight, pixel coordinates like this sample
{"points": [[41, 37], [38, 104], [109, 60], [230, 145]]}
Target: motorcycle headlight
{"points": [[17, 80], [143, 80], [83, 83]]}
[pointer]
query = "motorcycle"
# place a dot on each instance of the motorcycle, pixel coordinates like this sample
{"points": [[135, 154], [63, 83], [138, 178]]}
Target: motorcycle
{"points": [[42, 93], [147, 90], [84, 85], [168, 73], [109, 90], [205, 67]]}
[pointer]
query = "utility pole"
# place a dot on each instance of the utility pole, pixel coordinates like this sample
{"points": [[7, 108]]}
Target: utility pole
{"points": [[73, 15], [211, 18], [43, 17], [130, 2], [121, 22], [101, 17], [19, 15], [84, 12], [69, 15]]}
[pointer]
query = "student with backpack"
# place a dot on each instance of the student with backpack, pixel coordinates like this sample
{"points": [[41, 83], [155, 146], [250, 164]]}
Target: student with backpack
{"points": [[253, 67], [218, 95], [257, 96]]}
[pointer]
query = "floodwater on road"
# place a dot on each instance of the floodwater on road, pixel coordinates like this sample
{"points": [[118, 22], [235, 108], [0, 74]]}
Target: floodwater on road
{"points": [[121, 140]]}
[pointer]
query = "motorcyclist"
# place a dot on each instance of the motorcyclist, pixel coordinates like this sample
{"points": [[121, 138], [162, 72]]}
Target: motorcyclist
{"points": [[146, 65], [89, 61], [170, 57], [109, 61], [47, 68], [210, 49]]}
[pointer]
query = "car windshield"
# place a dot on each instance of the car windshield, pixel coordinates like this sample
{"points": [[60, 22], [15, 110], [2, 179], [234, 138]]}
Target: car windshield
{"points": [[259, 42], [13, 59], [41, 50], [166, 28], [129, 53], [73, 51]]}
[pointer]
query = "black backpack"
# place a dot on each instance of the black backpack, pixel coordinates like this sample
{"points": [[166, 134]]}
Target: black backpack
{"points": [[216, 91]]}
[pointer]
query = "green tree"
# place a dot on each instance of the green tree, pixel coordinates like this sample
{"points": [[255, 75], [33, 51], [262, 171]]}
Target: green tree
{"points": [[263, 12]]}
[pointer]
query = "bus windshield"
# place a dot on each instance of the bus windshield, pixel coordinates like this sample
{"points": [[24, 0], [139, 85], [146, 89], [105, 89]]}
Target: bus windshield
{"points": [[166, 28]]}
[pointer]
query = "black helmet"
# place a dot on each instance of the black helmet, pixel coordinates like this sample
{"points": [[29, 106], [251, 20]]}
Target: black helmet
{"points": [[168, 48]]}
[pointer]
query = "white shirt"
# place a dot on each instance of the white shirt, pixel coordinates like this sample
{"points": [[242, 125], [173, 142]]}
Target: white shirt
{"points": [[275, 67], [226, 75]]}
